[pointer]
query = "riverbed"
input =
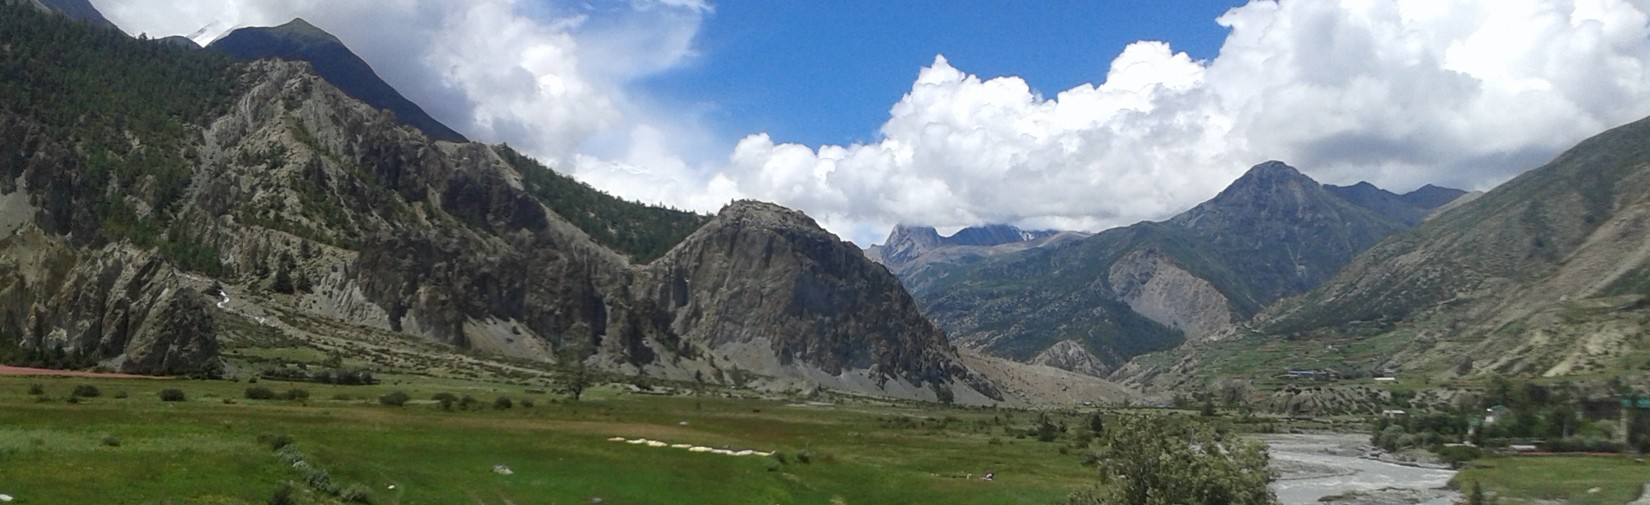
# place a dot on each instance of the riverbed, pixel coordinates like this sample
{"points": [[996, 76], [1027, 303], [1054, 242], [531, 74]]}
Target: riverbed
{"points": [[1310, 467]]}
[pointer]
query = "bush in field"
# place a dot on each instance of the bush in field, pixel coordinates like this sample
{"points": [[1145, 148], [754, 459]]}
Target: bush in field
{"points": [[394, 399], [445, 399], [275, 442], [355, 493], [282, 496], [172, 395], [1166, 459], [503, 402], [296, 394], [86, 391], [320, 480], [36, 389], [259, 393]]}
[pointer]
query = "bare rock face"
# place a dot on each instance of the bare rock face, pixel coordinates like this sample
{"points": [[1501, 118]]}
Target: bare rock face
{"points": [[760, 275], [1155, 287], [116, 306]]}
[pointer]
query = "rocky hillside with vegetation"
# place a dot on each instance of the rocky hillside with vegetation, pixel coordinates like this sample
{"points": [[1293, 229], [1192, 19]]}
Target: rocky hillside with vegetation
{"points": [[161, 200], [1093, 303], [1546, 274], [298, 40]]}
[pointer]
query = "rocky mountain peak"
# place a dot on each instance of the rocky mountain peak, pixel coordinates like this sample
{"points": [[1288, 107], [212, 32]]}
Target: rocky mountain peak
{"points": [[1432, 197], [1269, 190], [752, 213], [298, 40], [299, 29]]}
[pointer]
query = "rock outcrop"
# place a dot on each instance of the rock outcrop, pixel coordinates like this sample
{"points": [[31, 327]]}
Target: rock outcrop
{"points": [[117, 305], [764, 281], [1155, 287]]}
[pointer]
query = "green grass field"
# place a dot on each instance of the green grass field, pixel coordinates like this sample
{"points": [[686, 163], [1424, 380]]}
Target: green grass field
{"points": [[1617, 479], [141, 450]]}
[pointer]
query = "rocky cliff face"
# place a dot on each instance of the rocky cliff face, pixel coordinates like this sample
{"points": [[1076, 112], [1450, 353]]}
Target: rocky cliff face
{"points": [[115, 305], [767, 283], [1153, 286]]}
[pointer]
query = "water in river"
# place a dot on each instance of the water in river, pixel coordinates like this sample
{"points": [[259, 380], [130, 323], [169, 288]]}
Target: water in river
{"points": [[1314, 466]]}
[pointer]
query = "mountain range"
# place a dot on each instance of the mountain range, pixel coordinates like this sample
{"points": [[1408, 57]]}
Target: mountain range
{"points": [[1091, 303]]}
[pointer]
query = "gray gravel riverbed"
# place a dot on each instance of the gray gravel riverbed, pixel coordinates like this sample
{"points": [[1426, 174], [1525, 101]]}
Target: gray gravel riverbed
{"points": [[1311, 467]]}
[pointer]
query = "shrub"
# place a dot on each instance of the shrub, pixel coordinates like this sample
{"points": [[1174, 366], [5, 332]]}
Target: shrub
{"points": [[172, 395], [394, 399], [282, 496], [36, 389], [319, 479], [111, 441], [86, 391], [503, 402], [259, 393], [1459, 454], [527, 403], [296, 394], [275, 442], [805, 457], [355, 493], [445, 399], [466, 402]]}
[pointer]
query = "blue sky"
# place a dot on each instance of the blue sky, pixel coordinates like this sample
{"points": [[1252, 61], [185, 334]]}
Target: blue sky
{"points": [[1042, 114], [827, 72]]}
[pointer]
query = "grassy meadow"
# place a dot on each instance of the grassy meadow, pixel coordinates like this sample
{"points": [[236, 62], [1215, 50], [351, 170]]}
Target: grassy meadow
{"points": [[126, 445], [1579, 480]]}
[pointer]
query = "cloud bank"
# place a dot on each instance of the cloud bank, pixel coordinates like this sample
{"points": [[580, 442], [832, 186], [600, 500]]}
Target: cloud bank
{"points": [[1462, 93], [1399, 93]]}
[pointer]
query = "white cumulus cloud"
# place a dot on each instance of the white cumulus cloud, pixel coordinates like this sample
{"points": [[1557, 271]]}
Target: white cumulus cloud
{"points": [[1400, 93]]}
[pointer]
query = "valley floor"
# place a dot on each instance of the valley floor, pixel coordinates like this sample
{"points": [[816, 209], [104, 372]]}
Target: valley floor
{"points": [[126, 445]]}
